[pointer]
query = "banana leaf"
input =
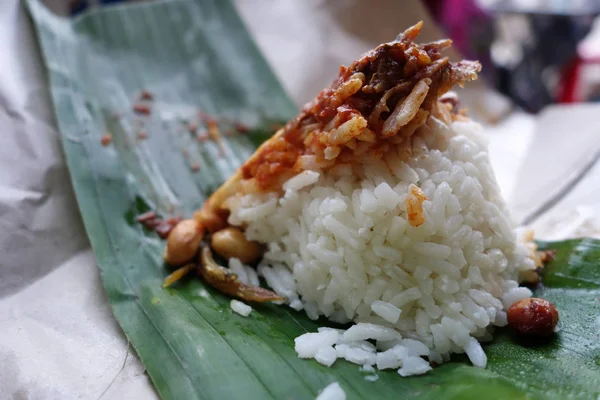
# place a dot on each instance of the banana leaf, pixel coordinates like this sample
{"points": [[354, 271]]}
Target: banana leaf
{"points": [[196, 56]]}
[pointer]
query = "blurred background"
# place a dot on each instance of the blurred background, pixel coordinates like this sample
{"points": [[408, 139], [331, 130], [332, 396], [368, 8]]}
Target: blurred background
{"points": [[534, 52]]}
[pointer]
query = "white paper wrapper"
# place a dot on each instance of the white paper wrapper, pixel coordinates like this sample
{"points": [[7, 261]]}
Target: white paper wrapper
{"points": [[58, 338]]}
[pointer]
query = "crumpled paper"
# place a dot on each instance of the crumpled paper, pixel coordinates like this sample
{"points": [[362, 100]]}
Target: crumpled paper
{"points": [[59, 339]]}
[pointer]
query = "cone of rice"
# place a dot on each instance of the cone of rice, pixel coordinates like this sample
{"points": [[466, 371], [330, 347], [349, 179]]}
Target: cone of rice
{"points": [[377, 207]]}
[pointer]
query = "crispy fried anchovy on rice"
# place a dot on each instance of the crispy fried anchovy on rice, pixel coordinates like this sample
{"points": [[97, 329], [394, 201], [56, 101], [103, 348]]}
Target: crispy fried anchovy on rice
{"points": [[381, 99]]}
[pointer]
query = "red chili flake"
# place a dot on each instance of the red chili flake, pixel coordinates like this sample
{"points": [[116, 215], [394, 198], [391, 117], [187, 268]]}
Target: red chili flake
{"points": [[241, 128], [146, 95], [106, 139], [141, 135], [202, 137], [185, 153], [141, 109], [195, 167]]}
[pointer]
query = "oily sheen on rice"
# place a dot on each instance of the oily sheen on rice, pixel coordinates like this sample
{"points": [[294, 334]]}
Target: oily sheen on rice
{"points": [[340, 245]]}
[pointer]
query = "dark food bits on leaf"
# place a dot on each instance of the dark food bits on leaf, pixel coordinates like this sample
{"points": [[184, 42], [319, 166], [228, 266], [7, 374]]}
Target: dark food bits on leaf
{"points": [[164, 228], [241, 128], [146, 95], [142, 135], [141, 109], [148, 219], [106, 139], [153, 222]]}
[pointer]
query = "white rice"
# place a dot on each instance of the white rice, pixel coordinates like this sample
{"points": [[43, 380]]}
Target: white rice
{"points": [[362, 331], [366, 368], [391, 358], [326, 356], [387, 311], [340, 245], [356, 354], [309, 344], [333, 391], [240, 308], [514, 295], [414, 366], [244, 273]]}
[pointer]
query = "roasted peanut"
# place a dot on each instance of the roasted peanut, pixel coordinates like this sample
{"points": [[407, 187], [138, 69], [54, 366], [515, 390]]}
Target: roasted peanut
{"points": [[183, 242], [533, 317], [212, 220], [231, 243]]}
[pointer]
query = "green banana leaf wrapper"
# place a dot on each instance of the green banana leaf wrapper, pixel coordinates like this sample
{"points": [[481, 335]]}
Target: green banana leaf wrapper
{"points": [[128, 155]]}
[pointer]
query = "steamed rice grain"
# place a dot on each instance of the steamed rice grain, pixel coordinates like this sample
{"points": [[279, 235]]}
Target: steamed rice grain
{"points": [[418, 253], [243, 309], [333, 391]]}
